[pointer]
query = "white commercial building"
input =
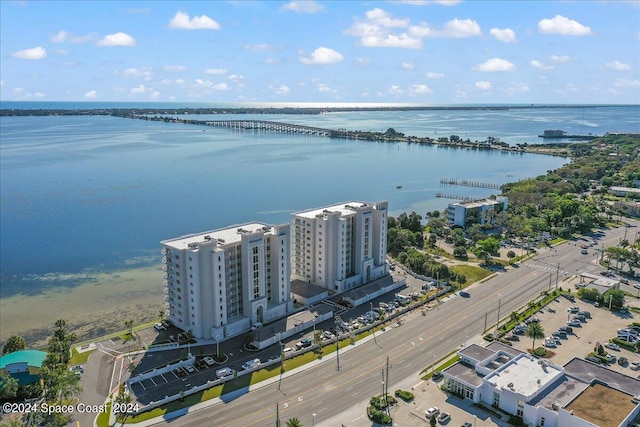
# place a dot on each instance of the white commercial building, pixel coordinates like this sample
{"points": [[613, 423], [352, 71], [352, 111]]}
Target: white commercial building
{"points": [[220, 282], [339, 247], [578, 394], [465, 214]]}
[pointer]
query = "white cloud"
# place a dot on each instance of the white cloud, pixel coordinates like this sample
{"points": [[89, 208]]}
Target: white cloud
{"points": [[563, 26], [560, 58], [420, 89], [175, 68], [263, 47], [376, 31], [325, 88], [484, 85], [303, 6], [363, 61], [92, 94], [395, 90], [456, 28], [537, 64], [504, 35], [117, 39], [618, 66], [138, 90], [424, 2], [434, 75], [380, 17], [515, 88], [62, 52], [322, 55], [495, 64], [144, 73], [408, 66], [181, 21], [391, 40], [215, 71], [235, 77], [280, 90], [34, 53], [627, 83], [181, 82], [220, 86], [37, 94], [59, 37]]}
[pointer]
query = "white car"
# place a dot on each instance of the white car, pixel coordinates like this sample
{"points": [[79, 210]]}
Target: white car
{"points": [[190, 369], [635, 365], [612, 346], [431, 412], [208, 360], [444, 417]]}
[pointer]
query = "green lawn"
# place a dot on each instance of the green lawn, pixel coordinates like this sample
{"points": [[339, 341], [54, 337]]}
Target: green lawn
{"points": [[471, 272], [79, 358]]}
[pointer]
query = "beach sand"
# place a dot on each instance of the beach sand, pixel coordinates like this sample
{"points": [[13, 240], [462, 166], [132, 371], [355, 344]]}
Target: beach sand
{"points": [[97, 304]]}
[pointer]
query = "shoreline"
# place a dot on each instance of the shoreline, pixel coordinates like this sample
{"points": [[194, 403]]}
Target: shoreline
{"points": [[98, 304]]}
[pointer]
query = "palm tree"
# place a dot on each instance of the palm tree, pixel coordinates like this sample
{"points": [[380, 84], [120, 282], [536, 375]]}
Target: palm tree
{"points": [[534, 331], [129, 325], [294, 422]]}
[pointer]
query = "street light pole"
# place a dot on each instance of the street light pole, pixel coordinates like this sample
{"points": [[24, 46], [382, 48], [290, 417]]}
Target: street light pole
{"points": [[498, 322], [374, 328], [313, 419], [217, 347]]}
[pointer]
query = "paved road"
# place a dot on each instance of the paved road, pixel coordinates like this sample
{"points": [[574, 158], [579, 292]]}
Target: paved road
{"points": [[324, 391]]}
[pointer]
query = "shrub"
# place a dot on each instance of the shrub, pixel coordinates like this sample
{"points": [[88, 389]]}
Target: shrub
{"points": [[540, 352], [407, 396], [516, 420], [623, 343], [378, 416]]}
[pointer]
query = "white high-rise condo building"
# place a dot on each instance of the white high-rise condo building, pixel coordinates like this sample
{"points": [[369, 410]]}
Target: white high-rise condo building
{"points": [[220, 282], [339, 247]]}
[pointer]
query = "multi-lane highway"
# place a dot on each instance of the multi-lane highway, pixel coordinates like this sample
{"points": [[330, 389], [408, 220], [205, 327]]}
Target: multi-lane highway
{"points": [[326, 392]]}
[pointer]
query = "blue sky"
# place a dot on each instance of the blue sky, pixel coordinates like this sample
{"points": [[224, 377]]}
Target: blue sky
{"points": [[412, 51]]}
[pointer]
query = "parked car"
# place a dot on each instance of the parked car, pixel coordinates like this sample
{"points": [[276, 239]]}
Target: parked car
{"points": [[467, 424], [584, 252], [159, 327], [209, 361], [585, 314], [224, 372], [623, 361], [444, 417], [251, 364], [610, 358], [593, 359], [635, 365], [190, 369], [612, 346], [431, 412]]}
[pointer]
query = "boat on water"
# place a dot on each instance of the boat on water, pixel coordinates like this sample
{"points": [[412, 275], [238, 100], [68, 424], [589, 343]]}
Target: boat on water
{"points": [[398, 186]]}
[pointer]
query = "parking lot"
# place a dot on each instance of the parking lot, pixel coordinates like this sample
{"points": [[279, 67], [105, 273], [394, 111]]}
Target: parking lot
{"points": [[601, 327]]}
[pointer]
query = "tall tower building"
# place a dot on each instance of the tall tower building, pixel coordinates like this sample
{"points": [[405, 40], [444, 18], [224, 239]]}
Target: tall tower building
{"points": [[340, 247], [218, 283]]}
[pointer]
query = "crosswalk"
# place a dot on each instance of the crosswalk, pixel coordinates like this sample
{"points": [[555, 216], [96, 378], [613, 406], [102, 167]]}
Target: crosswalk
{"points": [[549, 268]]}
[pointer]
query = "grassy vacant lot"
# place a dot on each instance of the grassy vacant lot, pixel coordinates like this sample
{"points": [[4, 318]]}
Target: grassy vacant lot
{"points": [[471, 272], [79, 358]]}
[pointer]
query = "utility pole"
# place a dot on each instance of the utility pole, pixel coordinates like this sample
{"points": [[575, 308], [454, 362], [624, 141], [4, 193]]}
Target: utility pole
{"points": [[485, 323], [337, 350], [550, 276], [557, 274], [277, 414], [386, 387]]}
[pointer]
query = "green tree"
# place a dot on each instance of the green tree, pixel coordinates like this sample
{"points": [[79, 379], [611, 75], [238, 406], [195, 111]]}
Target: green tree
{"points": [[534, 331], [614, 298], [294, 422], [432, 240], [9, 389], [511, 255], [432, 421], [460, 252], [129, 325], [14, 343]]}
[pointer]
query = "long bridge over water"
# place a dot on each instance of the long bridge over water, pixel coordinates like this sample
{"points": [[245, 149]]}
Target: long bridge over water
{"points": [[269, 126]]}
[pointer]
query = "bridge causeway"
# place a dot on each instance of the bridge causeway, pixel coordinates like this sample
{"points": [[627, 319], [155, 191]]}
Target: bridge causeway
{"points": [[269, 126]]}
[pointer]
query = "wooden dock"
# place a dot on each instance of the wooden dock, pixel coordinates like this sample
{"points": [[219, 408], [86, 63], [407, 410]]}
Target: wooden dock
{"points": [[467, 183]]}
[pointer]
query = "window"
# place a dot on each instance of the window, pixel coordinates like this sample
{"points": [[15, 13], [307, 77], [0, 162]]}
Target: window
{"points": [[496, 400]]}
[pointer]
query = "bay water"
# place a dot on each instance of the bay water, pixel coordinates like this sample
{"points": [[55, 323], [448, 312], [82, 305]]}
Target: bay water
{"points": [[85, 196]]}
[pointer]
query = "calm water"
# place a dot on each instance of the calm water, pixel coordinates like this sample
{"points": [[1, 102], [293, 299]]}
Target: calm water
{"points": [[101, 192]]}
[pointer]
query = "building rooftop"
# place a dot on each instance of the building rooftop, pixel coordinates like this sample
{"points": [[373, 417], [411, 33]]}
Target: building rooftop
{"points": [[344, 209], [586, 372], [602, 405], [31, 357], [498, 346], [559, 393], [306, 289], [625, 189], [524, 375], [224, 236], [465, 373], [476, 352], [479, 203]]}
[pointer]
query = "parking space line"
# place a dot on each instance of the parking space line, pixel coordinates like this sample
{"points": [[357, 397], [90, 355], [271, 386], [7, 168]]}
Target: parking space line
{"points": [[154, 383]]}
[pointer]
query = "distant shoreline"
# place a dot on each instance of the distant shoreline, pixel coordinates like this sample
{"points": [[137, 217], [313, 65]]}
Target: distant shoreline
{"points": [[170, 109]]}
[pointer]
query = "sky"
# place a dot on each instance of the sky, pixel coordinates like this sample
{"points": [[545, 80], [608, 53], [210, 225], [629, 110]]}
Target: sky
{"points": [[427, 52]]}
